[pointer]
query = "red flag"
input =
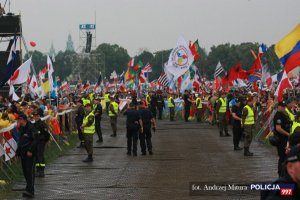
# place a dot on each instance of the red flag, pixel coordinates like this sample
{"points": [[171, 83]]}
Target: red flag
{"points": [[256, 66], [284, 84], [233, 73], [243, 74]]}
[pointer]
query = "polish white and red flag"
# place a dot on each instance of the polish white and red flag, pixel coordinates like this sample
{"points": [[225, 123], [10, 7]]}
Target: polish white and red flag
{"points": [[10, 146], [284, 84]]}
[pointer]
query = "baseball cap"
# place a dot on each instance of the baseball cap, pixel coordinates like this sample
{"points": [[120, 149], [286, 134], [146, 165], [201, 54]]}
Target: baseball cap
{"points": [[282, 103], [294, 154], [22, 117], [35, 113]]}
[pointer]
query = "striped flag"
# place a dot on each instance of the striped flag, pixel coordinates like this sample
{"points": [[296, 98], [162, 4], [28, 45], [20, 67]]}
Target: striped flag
{"points": [[163, 79], [219, 70], [147, 68], [249, 86]]}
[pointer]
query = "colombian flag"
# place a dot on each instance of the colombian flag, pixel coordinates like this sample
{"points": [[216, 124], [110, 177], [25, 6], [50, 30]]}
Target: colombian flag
{"points": [[288, 50]]}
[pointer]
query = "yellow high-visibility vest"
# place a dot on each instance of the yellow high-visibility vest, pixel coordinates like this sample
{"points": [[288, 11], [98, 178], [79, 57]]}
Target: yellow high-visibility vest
{"points": [[106, 98], [250, 117], [170, 104], [116, 109], [295, 125], [148, 99], [200, 102], [223, 106], [89, 129], [290, 114]]}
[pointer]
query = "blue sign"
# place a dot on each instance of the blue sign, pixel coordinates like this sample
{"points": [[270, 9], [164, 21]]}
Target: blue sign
{"points": [[87, 26]]}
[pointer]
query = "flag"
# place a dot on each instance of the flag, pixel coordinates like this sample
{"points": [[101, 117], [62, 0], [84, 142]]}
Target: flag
{"points": [[122, 78], [20, 76], [113, 75], [219, 70], [46, 87], [50, 72], [163, 79], [195, 49], [249, 86], [128, 75], [288, 50], [99, 81], [64, 86], [10, 146], [138, 66], [147, 68], [255, 76], [186, 82], [262, 49], [256, 65], [180, 59], [142, 78], [284, 84], [233, 73], [33, 86], [265, 74], [131, 62], [10, 62]]}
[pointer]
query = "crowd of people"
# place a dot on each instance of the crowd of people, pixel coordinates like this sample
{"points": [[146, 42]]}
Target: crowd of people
{"points": [[243, 110]]}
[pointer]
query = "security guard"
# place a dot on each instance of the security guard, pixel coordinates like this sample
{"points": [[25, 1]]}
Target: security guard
{"points": [[296, 125], [221, 114], [148, 120], [153, 104], [43, 138], [236, 126], [107, 101], [171, 106], [88, 127], [80, 113], [282, 128], [113, 110], [198, 107], [248, 125], [133, 125], [26, 150], [289, 105], [160, 104], [148, 99], [97, 109]]}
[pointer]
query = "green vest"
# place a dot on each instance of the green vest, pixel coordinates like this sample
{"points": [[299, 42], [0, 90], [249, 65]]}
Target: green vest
{"points": [[295, 125], [200, 103], [106, 98], [116, 109], [170, 104], [291, 115], [223, 106], [89, 129], [250, 117], [148, 99]]}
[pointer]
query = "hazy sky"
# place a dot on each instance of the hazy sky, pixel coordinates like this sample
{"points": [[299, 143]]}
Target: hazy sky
{"points": [[156, 24]]}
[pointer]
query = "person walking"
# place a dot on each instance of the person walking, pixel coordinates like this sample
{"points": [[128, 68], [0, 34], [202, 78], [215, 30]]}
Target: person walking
{"points": [[221, 114], [237, 121], [248, 125], [79, 116], [198, 107], [27, 148], [171, 106], [113, 111], [97, 109], [88, 127]]}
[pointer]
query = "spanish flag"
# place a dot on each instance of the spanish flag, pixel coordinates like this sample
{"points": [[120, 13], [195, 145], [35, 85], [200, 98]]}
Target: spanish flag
{"points": [[288, 50]]}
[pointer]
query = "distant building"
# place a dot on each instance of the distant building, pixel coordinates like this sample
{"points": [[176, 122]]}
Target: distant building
{"points": [[70, 44], [52, 52]]}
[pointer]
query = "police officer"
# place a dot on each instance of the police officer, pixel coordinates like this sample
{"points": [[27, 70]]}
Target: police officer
{"points": [[113, 111], [236, 126], [187, 105], [248, 125], [148, 120], [160, 104], [289, 106], [153, 104], [26, 150], [198, 107], [282, 128], [291, 176], [294, 138], [171, 106], [97, 109], [107, 101], [88, 127], [80, 113], [43, 138], [221, 114], [133, 125]]}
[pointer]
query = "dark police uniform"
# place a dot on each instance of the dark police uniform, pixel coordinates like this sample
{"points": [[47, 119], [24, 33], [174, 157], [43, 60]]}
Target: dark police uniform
{"points": [[132, 128], [43, 138], [146, 117], [79, 120], [187, 107], [98, 113], [28, 142], [236, 126], [160, 105], [281, 119], [153, 105]]}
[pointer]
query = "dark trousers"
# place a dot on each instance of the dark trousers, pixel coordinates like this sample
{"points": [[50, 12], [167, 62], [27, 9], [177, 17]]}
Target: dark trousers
{"points": [[172, 114], [153, 111], [132, 138], [222, 123], [98, 127], [281, 153], [80, 134], [160, 111], [237, 134], [107, 105], [28, 171], [198, 114], [40, 159], [88, 141], [186, 113], [113, 124], [145, 138]]}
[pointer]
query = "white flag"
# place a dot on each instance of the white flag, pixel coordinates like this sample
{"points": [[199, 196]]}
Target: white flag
{"points": [[50, 72], [21, 74], [180, 59]]}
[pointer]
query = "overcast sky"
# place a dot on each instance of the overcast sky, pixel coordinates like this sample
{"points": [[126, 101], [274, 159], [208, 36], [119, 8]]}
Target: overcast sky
{"points": [[156, 24]]}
